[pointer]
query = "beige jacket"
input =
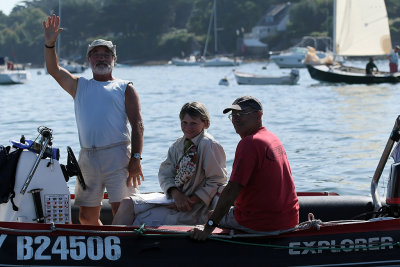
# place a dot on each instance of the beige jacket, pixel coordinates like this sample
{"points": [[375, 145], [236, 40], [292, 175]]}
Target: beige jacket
{"points": [[210, 174]]}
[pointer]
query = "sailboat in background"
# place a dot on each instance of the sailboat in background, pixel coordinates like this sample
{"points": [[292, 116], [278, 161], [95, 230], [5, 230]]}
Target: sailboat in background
{"points": [[360, 28], [190, 61], [71, 66], [216, 61]]}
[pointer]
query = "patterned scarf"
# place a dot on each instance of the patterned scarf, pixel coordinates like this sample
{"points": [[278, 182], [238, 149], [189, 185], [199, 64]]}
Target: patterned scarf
{"points": [[186, 167]]}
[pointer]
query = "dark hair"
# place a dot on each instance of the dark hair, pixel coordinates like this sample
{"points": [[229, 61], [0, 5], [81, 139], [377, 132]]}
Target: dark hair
{"points": [[195, 110]]}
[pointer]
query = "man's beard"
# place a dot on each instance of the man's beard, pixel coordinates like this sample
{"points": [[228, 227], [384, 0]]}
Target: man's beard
{"points": [[102, 68]]}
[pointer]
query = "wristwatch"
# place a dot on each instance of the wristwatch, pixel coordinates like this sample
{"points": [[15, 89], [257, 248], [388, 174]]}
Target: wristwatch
{"points": [[211, 223], [136, 156]]}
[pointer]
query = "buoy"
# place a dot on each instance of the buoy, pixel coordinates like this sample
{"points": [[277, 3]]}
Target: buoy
{"points": [[223, 81]]}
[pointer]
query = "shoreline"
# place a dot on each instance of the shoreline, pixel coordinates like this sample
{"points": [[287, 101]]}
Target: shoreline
{"points": [[150, 62]]}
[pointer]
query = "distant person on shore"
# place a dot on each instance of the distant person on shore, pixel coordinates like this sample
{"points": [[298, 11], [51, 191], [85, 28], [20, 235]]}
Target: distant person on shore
{"points": [[394, 59], [190, 176], [369, 68], [104, 106], [260, 195]]}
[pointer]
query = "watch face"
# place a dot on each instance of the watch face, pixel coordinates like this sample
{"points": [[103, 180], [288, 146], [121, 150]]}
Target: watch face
{"points": [[210, 222]]}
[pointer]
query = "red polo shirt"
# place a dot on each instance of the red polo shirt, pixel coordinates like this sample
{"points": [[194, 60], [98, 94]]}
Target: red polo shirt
{"points": [[268, 199]]}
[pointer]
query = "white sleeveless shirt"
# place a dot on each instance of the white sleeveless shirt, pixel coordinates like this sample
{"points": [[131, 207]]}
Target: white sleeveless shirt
{"points": [[100, 113]]}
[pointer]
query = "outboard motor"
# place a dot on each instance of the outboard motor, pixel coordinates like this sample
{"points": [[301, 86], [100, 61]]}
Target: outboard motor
{"points": [[393, 191], [41, 191]]}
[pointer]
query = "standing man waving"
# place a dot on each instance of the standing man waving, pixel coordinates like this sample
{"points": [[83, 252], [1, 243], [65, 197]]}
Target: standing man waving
{"points": [[104, 106]]}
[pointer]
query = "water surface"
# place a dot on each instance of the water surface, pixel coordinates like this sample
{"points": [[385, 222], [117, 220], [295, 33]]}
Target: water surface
{"points": [[334, 135]]}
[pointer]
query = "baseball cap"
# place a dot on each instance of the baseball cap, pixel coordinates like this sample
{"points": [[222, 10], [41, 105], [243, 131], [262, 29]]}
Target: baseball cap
{"points": [[101, 42], [243, 103]]}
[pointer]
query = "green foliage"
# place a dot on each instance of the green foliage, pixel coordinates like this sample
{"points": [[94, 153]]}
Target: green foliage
{"points": [[158, 29], [393, 8], [175, 42], [395, 26], [310, 16]]}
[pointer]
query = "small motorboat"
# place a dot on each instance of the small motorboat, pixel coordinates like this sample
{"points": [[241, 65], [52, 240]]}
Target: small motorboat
{"points": [[39, 225], [293, 57], [220, 61], [10, 74], [256, 79], [72, 66], [190, 61]]}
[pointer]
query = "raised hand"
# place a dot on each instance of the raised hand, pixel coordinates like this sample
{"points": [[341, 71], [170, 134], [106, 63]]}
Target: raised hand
{"points": [[51, 30]]}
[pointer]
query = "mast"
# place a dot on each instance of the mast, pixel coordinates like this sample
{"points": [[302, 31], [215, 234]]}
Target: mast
{"points": [[215, 28], [209, 30], [213, 18], [334, 28]]}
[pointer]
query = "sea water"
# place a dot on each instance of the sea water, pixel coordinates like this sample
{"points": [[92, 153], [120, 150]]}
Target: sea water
{"points": [[334, 134]]}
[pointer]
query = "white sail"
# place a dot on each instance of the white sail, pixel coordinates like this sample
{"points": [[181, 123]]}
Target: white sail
{"points": [[361, 28]]}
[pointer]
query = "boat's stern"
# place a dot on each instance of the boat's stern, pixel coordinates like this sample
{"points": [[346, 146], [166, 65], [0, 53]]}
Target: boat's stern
{"points": [[41, 191]]}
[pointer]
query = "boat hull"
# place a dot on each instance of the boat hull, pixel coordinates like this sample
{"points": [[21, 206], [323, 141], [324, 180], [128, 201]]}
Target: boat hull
{"points": [[13, 76], [221, 62], [250, 79], [314, 242], [72, 67], [333, 230], [373, 243], [349, 75], [185, 62], [289, 62], [294, 57]]}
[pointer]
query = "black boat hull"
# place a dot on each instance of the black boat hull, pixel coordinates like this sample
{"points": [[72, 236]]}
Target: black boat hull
{"points": [[349, 75], [316, 242], [364, 243]]}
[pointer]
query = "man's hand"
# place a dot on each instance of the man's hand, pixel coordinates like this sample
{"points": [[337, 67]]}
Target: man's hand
{"points": [[51, 30], [135, 173], [200, 232]]}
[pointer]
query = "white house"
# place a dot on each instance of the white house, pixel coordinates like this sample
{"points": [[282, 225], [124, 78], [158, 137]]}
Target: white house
{"points": [[274, 20]]}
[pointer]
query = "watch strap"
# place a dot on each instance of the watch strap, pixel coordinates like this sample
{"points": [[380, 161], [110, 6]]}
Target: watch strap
{"points": [[211, 223], [136, 156]]}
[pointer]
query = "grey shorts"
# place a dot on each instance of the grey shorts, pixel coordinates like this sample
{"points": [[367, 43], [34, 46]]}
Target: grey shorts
{"points": [[151, 214], [158, 214], [229, 221], [103, 168]]}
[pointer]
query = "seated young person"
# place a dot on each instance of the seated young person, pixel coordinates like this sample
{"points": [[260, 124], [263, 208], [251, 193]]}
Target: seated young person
{"points": [[194, 169]]}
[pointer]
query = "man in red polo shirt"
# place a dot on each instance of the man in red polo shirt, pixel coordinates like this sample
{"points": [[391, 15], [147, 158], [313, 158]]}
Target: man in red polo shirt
{"points": [[260, 195]]}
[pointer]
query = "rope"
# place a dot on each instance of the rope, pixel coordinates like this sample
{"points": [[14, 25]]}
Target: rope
{"points": [[311, 223]]}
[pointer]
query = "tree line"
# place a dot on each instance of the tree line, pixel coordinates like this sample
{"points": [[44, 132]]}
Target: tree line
{"points": [[157, 29]]}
